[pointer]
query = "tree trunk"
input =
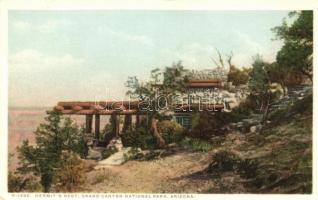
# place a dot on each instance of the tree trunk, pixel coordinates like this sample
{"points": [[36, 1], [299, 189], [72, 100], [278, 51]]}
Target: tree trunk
{"points": [[307, 74], [283, 87], [156, 134], [267, 107]]}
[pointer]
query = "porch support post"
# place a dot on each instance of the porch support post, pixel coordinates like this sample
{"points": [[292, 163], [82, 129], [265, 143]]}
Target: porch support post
{"points": [[127, 123], [117, 123], [97, 126], [137, 120], [89, 121]]}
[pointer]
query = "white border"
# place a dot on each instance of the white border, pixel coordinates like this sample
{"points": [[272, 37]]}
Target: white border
{"points": [[6, 5]]}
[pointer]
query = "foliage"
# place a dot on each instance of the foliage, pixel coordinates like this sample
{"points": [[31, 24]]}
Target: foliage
{"points": [[260, 85], [52, 137], [259, 80], [238, 113], [108, 131], [248, 168], [297, 51], [303, 106], [206, 124], [171, 131], [100, 177], [237, 76], [18, 183], [138, 138], [166, 84], [196, 144], [133, 154], [224, 161], [71, 173], [108, 152]]}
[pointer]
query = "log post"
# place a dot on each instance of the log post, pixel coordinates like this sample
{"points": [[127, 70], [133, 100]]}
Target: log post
{"points": [[137, 120], [117, 125], [89, 121], [127, 123], [97, 126]]}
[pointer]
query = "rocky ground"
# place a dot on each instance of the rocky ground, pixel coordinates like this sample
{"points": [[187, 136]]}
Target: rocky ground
{"points": [[282, 151]]}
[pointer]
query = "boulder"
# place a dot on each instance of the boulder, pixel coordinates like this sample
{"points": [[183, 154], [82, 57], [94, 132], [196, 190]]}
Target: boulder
{"points": [[115, 143], [253, 129], [257, 128], [117, 158]]}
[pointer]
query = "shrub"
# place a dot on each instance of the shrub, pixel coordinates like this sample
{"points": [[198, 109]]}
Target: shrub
{"points": [[71, 173], [238, 113], [17, 183], [299, 107], [196, 144], [171, 131], [224, 161], [205, 125], [133, 154], [100, 177], [139, 138], [248, 168], [108, 152], [52, 137]]}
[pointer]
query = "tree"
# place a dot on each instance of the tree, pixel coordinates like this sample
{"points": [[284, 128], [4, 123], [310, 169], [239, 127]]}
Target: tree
{"points": [[259, 84], [71, 173], [52, 138], [156, 93], [237, 76], [297, 51]]}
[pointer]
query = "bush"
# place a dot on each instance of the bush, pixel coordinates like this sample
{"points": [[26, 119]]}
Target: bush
{"points": [[224, 161], [108, 152], [139, 138], [303, 106], [248, 168], [196, 144], [71, 173], [100, 177], [56, 135], [205, 125], [133, 154], [243, 111], [17, 183], [171, 131]]}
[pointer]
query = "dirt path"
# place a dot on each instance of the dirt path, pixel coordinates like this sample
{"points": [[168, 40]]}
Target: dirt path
{"points": [[169, 174]]}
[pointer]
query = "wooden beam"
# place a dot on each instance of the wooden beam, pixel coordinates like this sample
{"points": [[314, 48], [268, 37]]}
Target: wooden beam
{"points": [[100, 112], [58, 108], [105, 104]]}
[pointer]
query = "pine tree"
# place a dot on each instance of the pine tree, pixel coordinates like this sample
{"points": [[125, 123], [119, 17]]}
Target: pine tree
{"points": [[52, 137]]}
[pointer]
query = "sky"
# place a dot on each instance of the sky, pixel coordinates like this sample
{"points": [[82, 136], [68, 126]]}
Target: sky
{"points": [[88, 55]]}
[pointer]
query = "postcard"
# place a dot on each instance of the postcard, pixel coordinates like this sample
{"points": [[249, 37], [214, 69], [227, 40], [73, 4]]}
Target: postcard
{"points": [[126, 101]]}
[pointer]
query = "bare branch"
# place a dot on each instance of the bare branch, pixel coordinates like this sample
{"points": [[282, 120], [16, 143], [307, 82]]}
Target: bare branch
{"points": [[215, 62], [220, 57], [229, 59]]}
